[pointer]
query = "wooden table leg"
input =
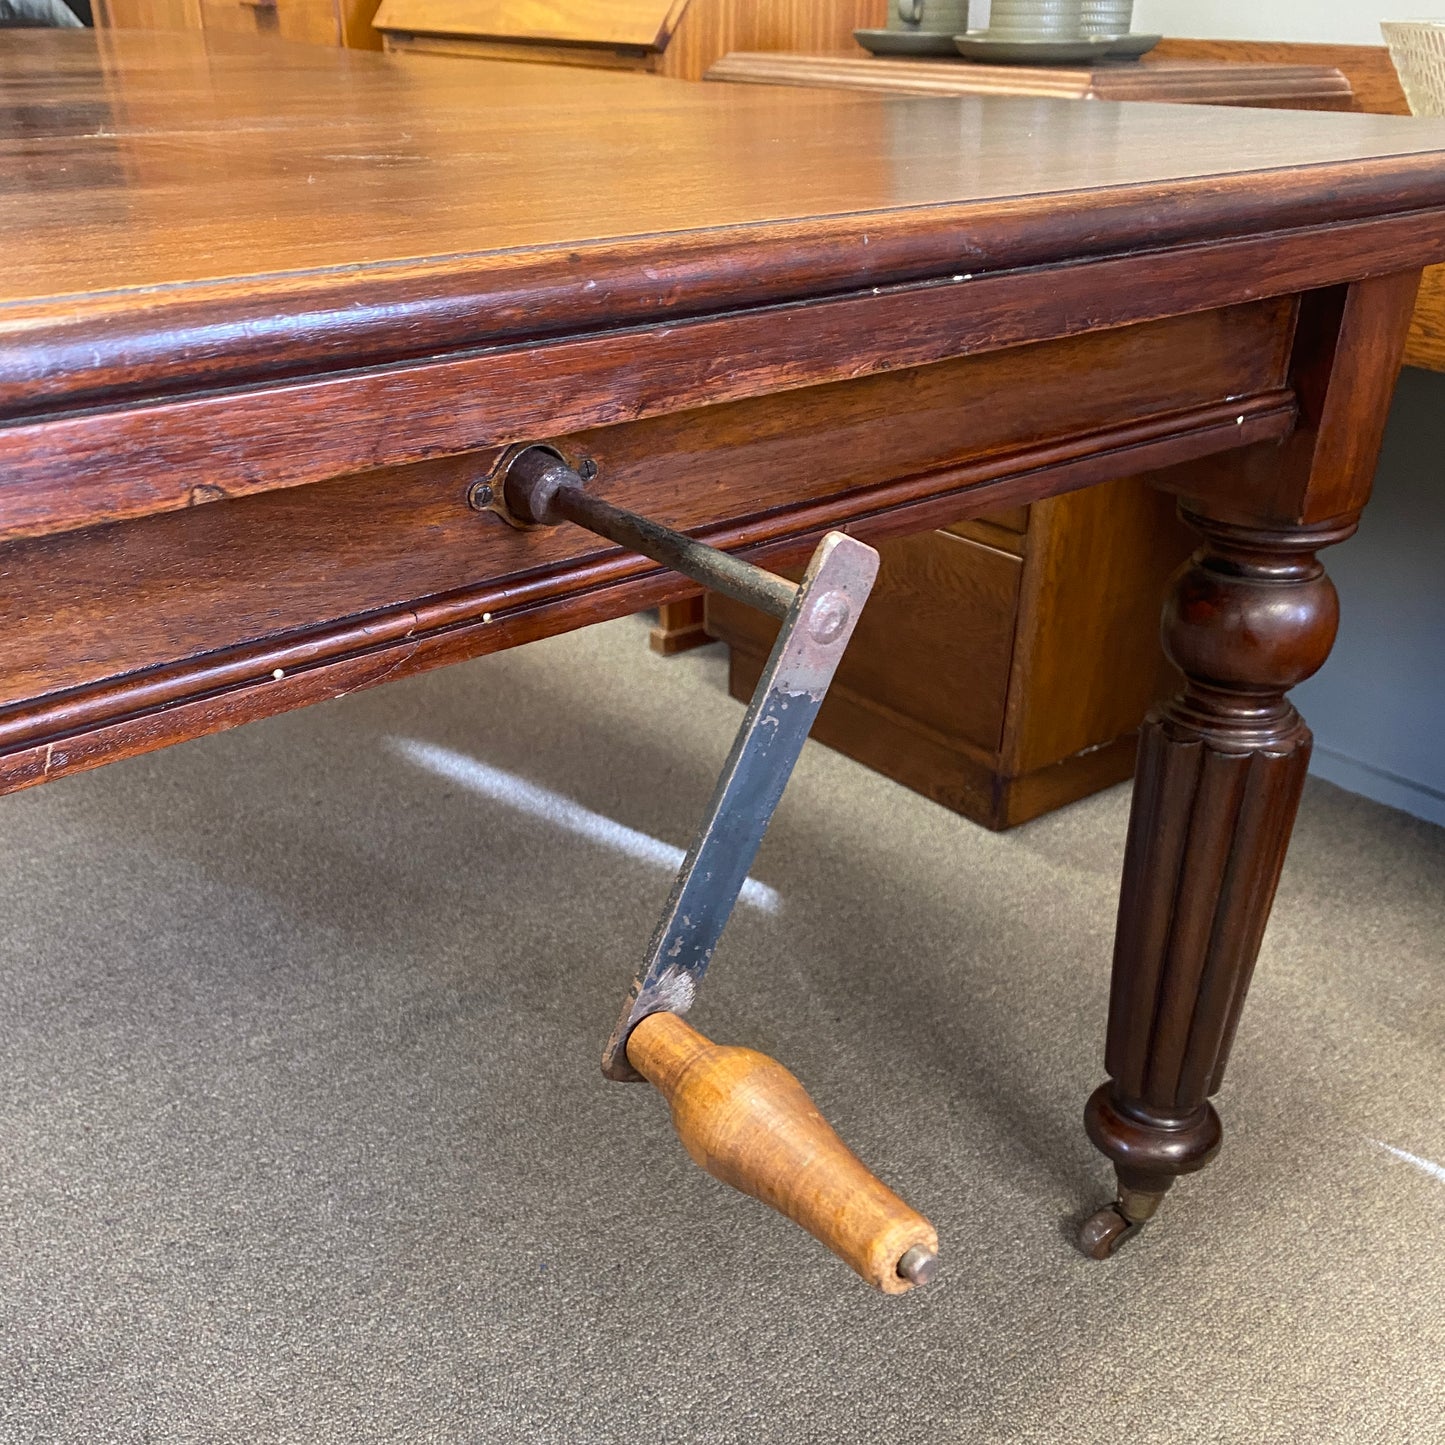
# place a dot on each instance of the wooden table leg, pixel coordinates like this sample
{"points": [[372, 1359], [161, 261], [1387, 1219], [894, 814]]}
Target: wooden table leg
{"points": [[1221, 768], [1219, 777]]}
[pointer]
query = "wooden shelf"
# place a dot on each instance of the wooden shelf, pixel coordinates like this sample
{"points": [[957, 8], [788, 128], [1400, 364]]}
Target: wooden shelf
{"points": [[1182, 81]]}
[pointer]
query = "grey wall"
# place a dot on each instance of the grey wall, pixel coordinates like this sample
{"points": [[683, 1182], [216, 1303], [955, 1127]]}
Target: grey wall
{"points": [[1345, 22], [1378, 705], [1341, 22]]}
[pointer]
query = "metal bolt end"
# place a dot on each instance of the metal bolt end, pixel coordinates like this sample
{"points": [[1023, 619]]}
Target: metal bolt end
{"points": [[479, 496], [918, 1265], [828, 617], [586, 469]]}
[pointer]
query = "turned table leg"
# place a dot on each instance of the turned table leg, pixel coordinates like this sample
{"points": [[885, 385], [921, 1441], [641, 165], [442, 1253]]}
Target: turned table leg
{"points": [[1219, 778]]}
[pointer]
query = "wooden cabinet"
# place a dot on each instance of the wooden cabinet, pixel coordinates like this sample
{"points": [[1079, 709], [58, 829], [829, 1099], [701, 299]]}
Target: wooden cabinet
{"points": [[996, 668], [239, 17], [148, 14], [680, 38], [316, 22]]}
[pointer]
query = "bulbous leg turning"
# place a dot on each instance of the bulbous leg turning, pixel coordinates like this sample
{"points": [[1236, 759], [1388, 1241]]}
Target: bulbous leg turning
{"points": [[1218, 780]]}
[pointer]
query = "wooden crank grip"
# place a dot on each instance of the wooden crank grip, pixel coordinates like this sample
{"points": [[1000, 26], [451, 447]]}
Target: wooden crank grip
{"points": [[746, 1120]]}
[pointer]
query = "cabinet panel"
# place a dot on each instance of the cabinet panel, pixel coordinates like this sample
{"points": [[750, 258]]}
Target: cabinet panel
{"points": [[934, 644]]}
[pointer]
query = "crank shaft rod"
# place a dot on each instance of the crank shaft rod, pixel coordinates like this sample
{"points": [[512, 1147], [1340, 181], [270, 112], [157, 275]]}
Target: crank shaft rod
{"points": [[542, 489]]}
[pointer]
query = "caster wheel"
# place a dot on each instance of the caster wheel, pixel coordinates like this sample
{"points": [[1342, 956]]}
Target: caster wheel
{"points": [[1104, 1231]]}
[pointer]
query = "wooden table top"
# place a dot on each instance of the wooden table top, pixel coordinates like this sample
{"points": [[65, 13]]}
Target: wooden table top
{"points": [[1181, 81], [140, 159], [189, 220], [175, 180]]}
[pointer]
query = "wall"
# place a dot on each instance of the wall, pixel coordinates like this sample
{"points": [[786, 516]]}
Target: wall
{"points": [[1378, 707], [1345, 22]]}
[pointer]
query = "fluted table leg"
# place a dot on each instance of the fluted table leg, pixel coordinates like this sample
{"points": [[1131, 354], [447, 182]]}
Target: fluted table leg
{"points": [[1219, 778]]}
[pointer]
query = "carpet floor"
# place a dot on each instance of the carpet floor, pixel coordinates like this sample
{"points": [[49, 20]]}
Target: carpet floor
{"points": [[302, 1136]]}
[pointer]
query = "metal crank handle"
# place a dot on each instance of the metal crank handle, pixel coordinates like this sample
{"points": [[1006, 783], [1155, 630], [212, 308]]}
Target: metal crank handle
{"points": [[818, 616], [747, 1121], [743, 1117]]}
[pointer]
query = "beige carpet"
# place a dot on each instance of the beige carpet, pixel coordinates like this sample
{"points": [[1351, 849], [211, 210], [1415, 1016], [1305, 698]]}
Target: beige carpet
{"points": [[302, 1136]]}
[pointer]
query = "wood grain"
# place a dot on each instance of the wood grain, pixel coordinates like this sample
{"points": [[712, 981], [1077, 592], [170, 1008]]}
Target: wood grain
{"points": [[208, 691], [1348, 354], [382, 562], [950, 772], [150, 458], [465, 47], [238, 17], [1087, 666], [1001, 692], [709, 29], [148, 14], [747, 1121], [931, 652], [310, 22], [1425, 345], [440, 182]]}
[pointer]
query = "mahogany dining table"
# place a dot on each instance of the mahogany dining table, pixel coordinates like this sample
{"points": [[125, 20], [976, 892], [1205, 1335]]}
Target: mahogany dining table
{"points": [[271, 316]]}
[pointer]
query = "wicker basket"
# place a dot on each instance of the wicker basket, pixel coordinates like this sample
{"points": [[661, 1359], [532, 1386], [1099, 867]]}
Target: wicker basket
{"points": [[1418, 49]]}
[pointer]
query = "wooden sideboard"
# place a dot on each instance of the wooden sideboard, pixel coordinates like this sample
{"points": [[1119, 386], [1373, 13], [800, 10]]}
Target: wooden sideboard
{"points": [[1174, 80]]}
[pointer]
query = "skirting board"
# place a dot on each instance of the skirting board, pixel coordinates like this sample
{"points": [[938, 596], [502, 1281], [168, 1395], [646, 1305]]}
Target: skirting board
{"points": [[1389, 788]]}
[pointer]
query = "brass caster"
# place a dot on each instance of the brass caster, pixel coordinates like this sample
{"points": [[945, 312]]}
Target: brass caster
{"points": [[1105, 1230]]}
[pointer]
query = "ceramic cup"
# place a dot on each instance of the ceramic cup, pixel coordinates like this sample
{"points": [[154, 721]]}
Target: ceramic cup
{"points": [[1108, 17], [936, 17], [1036, 20]]}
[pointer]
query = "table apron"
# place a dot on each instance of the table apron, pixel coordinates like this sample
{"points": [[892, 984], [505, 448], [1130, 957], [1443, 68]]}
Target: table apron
{"points": [[69, 471], [128, 635]]}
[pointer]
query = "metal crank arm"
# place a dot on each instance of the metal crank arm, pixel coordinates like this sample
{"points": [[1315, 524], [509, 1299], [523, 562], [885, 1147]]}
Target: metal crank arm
{"points": [[818, 615], [816, 627], [742, 1116]]}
